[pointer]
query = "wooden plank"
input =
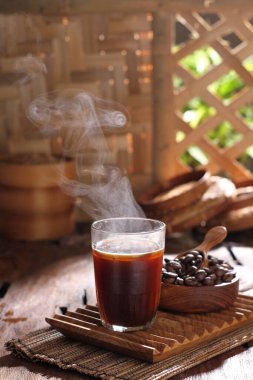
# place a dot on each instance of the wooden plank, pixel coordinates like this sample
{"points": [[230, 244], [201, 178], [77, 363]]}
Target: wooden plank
{"points": [[218, 156], [205, 38], [238, 148], [164, 129], [207, 5], [233, 62], [43, 277], [150, 345], [96, 6], [194, 135], [77, 6], [225, 112]]}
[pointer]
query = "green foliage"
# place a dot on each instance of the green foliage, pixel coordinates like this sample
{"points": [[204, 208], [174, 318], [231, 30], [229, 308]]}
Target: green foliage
{"points": [[224, 135], [196, 110], [247, 114], [194, 157], [227, 86], [201, 61]]}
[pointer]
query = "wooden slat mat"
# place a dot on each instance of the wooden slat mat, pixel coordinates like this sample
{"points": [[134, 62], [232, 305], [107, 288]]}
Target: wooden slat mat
{"points": [[171, 333], [50, 346]]}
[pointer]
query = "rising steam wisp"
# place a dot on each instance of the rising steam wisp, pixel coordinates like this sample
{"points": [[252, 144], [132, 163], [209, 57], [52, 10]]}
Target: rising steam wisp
{"points": [[79, 118]]}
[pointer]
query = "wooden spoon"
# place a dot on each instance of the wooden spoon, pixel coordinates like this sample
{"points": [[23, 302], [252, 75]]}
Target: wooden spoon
{"points": [[196, 299], [213, 237]]}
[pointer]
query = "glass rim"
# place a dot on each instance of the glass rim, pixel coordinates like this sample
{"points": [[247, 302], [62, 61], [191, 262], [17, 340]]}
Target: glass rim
{"points": [[161, 226]]}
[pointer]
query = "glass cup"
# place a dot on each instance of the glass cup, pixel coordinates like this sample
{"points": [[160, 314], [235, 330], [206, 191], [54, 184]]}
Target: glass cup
{"points": [[128, 256]]}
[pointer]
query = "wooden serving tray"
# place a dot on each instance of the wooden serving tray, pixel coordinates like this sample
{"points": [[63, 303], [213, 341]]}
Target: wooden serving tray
{"points": [[170, 334]]}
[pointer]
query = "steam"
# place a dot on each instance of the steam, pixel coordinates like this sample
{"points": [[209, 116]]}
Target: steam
{"points": [[79, 118], [29, 65]]}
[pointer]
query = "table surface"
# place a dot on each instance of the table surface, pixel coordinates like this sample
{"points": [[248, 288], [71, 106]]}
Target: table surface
{"points": [[47, 277]]}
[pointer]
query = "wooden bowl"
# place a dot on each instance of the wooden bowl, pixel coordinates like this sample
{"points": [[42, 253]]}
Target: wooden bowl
{"points": [[198, 299], [175, 193], [204, 298], [238, 215], [215, 200]]}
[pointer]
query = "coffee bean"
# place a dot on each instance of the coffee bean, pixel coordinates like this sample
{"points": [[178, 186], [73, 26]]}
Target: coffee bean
{"points": [[170, 274], [169, 268], [198, 263], [175, 264], [195, 253], [219, 271], [190, 281], [207, 270], [169, 277], [208, 281], [201, 274], [199, 257], [188, 271], [188, 258], [191, 270], [228, 276], [179, 281], [212, 268]]}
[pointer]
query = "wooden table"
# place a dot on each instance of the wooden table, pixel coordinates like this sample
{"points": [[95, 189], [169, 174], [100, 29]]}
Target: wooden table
{"points": [[47, 277]]}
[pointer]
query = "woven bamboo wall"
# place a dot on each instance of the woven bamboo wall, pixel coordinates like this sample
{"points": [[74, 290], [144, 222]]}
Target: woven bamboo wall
{"points": [[128, 54]]}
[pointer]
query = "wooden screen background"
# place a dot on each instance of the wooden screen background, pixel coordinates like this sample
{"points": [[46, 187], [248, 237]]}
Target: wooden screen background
{"points": [[126, 51], [232, 59]]}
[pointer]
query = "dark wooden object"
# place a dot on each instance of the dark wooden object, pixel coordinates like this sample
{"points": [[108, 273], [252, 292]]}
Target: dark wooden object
{"points": [[193, 299], [46, 276], [213, 237], [159, 198], [171, 334]]}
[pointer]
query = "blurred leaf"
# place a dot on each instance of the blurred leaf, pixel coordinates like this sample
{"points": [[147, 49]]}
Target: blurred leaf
{"points": [[248, 63], [196, 111], [180, 136], [246, 112], [178, 82], [224, 135], [227, 86], [249, 151], [201, 60]]}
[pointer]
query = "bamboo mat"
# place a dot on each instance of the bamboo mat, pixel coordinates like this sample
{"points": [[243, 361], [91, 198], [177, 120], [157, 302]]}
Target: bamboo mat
{"points": [[50, 346]]}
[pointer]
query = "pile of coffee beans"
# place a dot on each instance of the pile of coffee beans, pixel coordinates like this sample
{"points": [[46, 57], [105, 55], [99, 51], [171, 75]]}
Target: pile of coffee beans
{"points": [[188, 270]]}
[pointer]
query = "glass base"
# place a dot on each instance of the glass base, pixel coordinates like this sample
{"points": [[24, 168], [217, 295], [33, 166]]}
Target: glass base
{"points": [[127, 328]]}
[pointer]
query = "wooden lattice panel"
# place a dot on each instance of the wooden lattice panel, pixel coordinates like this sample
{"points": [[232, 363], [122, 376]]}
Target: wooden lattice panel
{"points": [[231, 59], [122, 53]]}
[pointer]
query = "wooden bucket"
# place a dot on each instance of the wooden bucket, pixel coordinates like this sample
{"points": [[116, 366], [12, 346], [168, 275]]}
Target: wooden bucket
{"points": [[32, 204]]}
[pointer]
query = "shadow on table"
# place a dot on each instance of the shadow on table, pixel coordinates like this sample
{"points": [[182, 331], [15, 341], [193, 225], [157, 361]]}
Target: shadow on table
{"points": [[46, 370]]}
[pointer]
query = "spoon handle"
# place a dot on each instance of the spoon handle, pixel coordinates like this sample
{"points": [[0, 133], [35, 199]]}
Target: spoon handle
{"points": [[213, 237]]}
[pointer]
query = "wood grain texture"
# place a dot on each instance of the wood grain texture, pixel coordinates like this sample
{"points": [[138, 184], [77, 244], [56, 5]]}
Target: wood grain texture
{"points": [[159, 198], [149, 345], [45, 276], [95, 6], [34, 176], [195, 299]]}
